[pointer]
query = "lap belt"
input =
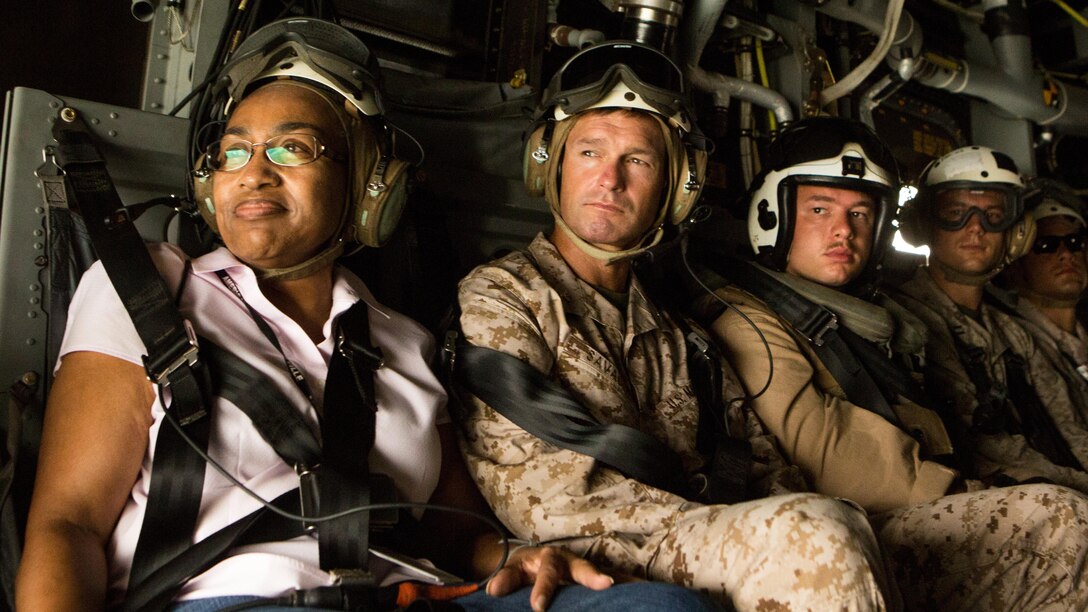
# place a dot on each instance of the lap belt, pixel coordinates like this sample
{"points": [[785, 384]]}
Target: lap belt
{"points": [[333, 477], [820, 326]]}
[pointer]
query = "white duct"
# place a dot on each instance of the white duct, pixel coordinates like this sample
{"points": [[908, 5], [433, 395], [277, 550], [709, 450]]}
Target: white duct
{"points": [[700, 22]]}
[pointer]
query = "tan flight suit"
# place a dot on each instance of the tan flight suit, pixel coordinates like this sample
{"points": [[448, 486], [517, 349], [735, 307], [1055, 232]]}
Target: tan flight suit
{"points": [[951, 388], [1067, 354], [789, 552], [997, 549]]}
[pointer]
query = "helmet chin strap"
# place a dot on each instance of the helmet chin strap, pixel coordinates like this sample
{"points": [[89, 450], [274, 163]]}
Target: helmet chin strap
{"points": [[1043, 301], [322, 260], [974, 279], [610, 257]]}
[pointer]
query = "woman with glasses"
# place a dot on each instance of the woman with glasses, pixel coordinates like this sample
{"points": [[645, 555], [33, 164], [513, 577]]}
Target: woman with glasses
{"points": [[303, 170]]}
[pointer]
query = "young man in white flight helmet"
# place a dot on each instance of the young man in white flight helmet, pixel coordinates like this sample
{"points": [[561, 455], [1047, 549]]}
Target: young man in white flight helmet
{"points": [[983, 371], [613, 154], [827, 364]]}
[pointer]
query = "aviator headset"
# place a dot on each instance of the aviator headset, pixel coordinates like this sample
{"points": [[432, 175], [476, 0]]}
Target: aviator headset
{"points": [[325, 57], [977, 168], [618, 74]]}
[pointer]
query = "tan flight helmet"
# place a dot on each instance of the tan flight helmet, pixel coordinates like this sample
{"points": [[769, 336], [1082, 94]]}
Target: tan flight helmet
{"points": [[618, 74], [325, 57]]}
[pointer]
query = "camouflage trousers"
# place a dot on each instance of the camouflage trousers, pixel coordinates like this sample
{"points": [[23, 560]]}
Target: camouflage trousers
{"points": [[1020, 548], [789, 552]]}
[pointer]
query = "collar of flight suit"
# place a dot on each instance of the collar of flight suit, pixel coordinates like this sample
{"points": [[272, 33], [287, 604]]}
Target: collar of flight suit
{"points": [[581, 299]]}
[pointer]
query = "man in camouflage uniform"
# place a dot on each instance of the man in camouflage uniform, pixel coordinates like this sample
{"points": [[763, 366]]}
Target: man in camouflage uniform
{"points": [[571, 307], [1049, 281], [982, 370], [819, 220]]}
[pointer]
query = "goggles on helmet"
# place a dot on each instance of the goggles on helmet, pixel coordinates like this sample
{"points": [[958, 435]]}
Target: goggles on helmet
{"points": [[1049, 244], [620, 74], [997, 208], [309, 50]]}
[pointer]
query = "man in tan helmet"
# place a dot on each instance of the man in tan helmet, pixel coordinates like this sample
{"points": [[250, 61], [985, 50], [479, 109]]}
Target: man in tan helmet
{"points": [[1049, 281], [983, 371], [609, 158]]}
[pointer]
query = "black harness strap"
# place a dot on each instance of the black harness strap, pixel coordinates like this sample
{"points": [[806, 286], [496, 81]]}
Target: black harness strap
{"points": [[347, 429], [820, 326], [1035, 421], [729, 457], [159, 588], [171, 361], [546, 410]]}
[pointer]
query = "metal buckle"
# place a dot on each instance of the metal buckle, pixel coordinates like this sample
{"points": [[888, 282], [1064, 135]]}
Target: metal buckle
{"points": [[352, 577], [308, 495], [374, 357], [184, 354], [814, 331]]}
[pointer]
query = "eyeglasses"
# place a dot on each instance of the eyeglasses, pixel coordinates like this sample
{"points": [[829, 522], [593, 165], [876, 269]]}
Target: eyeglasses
{"points": [[1050, 244], [230, 153]]}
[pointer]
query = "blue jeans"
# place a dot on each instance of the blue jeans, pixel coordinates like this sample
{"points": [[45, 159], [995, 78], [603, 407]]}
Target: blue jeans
{"points": [[628, 597]]}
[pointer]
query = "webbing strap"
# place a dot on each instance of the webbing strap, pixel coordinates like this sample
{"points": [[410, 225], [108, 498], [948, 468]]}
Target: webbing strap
{"points": [[155, 591], [347, 431], [820, 326], [1036, 423], [171, 349], [519, 392]]}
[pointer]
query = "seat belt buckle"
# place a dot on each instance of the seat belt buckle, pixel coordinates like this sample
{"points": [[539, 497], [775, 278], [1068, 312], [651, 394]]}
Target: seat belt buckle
{"points": [[699, 342], [185, 352], [309, 496], [815, 328], [449, 349]]}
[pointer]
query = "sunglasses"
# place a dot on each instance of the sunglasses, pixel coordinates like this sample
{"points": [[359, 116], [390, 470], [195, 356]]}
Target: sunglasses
{"points": [[1050, 244]]}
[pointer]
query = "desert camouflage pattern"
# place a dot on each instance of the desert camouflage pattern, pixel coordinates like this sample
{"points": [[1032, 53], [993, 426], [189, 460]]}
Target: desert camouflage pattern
{"points": [[1020, 548], [1017, 548], [948, 383], [1066, 354], [791, 552]]}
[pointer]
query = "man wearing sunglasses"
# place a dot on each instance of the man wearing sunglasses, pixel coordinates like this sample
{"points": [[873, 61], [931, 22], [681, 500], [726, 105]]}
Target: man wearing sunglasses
{"points": [[827, 363], [983, 371], [613, 154], [1049, 281]]}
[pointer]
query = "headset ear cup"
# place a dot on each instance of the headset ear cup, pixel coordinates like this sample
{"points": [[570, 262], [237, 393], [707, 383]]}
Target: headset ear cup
{"points": [[685, 195], [376, 212], [536, 162], [203, 186], [1019, 238]]}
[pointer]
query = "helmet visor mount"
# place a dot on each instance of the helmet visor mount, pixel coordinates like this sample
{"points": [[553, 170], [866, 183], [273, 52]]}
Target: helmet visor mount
{"points": [[997, 207], [620, 75], [803, 143]]}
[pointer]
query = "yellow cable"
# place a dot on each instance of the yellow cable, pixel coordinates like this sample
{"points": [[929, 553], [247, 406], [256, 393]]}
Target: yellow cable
{"points": [[1075, 15], [766, 82]]}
